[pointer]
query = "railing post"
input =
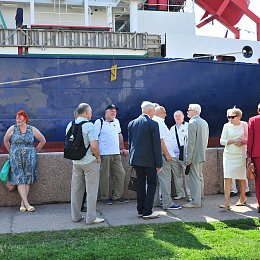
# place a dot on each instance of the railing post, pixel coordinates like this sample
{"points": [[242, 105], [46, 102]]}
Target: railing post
{"points": [[32, 11], [109, 16], [86, 12], [133, 16]]}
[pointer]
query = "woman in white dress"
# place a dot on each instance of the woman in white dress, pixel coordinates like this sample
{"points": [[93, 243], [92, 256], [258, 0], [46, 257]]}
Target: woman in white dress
{"points": [[234, 138]]}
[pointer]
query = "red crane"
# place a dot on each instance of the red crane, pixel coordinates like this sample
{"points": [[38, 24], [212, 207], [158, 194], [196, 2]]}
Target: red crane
{"points": [[228, 13]]}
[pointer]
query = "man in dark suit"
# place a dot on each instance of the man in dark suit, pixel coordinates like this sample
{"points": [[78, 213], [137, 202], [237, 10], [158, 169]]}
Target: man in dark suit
{"points": [[146, 156], [253, 150]]}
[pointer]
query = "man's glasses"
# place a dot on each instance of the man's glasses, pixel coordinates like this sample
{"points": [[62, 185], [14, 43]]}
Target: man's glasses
{"points": [[231, 117], [190, 110]]}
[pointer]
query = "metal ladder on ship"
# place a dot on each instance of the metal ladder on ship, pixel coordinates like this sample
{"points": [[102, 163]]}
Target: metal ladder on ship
{"points": [[2, 25]]}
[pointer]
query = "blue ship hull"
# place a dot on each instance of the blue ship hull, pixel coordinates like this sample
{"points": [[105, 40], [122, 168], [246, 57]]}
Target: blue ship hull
{"points": [[50, 103]]}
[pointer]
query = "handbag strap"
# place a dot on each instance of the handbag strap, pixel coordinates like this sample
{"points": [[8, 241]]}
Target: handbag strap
{"points": [[132, 171], [178, 142]]}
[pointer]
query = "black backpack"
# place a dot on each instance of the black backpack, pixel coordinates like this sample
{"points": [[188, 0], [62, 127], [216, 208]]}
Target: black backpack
{"points": [[74, 147]]}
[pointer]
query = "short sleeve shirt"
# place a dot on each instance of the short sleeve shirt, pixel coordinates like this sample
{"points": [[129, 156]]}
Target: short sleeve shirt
{"points": [[182, 132], [108, 140], [89, 134], [165, 134]]}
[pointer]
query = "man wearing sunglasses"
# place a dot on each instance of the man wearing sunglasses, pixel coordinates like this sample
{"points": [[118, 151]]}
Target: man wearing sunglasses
{"points": [[197, 141], [253, 150]]}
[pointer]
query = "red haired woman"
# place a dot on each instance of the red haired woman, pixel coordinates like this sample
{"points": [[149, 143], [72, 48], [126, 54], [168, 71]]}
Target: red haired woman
{"points": [[22, 154]]}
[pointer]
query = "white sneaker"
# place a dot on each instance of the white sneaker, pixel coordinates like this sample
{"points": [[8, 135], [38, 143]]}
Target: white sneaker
{"points": [[78, 219], [153, 215], [179, 197], [98, 220], [190, 205]]}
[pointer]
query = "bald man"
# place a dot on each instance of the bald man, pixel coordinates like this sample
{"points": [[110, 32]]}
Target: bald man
{"points": [[165, 175]]}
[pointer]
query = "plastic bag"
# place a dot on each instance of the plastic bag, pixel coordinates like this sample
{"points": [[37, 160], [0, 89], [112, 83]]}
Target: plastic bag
{"points": [[4, 172]]}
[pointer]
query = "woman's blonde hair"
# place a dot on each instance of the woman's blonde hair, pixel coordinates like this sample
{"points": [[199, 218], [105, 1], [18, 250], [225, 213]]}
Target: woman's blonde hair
{"points": [[235, 111]]}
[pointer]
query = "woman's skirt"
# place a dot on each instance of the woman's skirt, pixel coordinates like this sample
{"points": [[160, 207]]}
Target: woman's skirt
{"points": [[234, 166]]}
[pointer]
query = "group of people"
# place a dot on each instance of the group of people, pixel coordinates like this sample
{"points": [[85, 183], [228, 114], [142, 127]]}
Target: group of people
{"points": [[155, 151], [153, 148], [106, 146]]}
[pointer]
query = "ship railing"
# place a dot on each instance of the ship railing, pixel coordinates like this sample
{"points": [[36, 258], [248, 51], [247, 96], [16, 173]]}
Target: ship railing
{"points": [[77, 39]]}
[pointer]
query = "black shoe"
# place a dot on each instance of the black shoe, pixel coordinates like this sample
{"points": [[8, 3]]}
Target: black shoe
{"points": [[258, 210], [248, 194], [121, 200], [83, 209], [233, 194]]}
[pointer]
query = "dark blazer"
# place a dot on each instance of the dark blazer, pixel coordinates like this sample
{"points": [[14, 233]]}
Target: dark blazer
{"points": [[144, 142], [253, 142]]}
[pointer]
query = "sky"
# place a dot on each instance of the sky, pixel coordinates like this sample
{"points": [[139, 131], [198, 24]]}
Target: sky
{"points": [[247, 26]]}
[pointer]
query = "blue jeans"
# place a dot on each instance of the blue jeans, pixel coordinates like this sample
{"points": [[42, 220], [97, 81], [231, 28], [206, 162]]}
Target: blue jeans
{"points": [[145, 196]]}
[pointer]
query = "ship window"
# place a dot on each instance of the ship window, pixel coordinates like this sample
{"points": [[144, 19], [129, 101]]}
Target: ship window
{"points": [[226, 58], [203, 56]]}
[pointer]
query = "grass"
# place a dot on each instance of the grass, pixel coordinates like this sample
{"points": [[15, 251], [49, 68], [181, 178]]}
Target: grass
{"points": [[233, 239]]}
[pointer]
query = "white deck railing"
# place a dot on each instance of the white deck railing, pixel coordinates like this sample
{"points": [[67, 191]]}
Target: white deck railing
{"points": [[77, 39]]}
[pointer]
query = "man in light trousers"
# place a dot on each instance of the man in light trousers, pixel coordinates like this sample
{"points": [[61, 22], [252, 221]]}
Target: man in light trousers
{"points": [[86, 170], [197, 141], [179, 166], [165, 175]]}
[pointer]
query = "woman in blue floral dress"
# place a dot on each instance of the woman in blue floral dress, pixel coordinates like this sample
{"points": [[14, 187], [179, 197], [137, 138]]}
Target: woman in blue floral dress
{"points": [[22, 155]]}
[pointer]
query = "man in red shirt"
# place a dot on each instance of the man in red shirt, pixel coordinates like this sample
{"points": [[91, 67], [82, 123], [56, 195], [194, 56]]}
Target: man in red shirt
{"points": [[253, 150]]}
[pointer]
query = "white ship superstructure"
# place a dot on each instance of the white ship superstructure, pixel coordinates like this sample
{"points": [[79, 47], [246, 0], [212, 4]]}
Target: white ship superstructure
{"points": [[112, 27]]}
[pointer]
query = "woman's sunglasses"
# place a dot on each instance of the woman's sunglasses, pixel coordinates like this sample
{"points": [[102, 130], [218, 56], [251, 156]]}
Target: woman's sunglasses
{"points": [[231, 117]]}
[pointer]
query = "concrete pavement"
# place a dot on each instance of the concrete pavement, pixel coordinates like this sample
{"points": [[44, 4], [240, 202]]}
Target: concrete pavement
{"points": [[57, 216]]}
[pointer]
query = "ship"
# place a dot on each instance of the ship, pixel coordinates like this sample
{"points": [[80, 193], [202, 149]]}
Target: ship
{"points": [[56, 54]]}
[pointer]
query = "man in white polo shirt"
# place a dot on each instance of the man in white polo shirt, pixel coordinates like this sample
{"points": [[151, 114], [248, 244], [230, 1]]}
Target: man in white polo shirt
{"points": [[179, 166], [111, 145], [165, 175]]}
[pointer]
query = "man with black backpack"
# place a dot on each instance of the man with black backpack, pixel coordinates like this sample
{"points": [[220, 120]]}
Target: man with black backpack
{"points": [[81, 145]]}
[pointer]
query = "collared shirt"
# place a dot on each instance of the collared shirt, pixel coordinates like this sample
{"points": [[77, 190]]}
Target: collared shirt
{"points": [[146, 115], [182, 132], [89, 134], [108, 140], [165, 134]]}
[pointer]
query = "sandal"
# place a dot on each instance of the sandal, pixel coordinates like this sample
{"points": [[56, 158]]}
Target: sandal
{"points": [[22, 209], [239, 203], [31, 209]]}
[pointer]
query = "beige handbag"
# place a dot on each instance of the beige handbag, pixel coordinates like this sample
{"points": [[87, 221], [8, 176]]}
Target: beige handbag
{"points": [[251, 172]]}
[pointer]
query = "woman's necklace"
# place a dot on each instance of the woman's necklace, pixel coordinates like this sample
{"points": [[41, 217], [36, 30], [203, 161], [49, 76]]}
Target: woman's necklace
{"points": [[25, 130]]}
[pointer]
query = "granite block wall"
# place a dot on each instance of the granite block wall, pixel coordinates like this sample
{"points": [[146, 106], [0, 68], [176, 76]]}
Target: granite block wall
{"points": [[54, 173]]}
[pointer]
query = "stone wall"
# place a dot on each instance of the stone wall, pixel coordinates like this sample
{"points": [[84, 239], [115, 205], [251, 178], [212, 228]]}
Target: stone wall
{"points": [[54, 173]]}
